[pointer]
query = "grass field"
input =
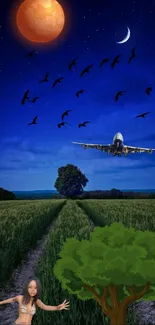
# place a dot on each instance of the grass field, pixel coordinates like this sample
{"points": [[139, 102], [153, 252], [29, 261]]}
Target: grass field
{"points": [[23, 222], [139, 214]]}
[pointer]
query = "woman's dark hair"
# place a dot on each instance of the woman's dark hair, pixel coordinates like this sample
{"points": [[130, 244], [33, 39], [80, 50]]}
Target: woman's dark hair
{"points": [[26, 296]]}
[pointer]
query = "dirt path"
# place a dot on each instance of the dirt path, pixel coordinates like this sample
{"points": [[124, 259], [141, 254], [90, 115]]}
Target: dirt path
{"points": [[9, 312], [145, 311]]}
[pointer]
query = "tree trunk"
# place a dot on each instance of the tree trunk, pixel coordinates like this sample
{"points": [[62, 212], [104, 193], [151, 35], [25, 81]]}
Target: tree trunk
{"points": [[118, 318], [117, 313]]}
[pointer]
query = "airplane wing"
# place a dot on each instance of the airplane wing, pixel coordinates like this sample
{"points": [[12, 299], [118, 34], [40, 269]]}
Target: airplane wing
{"points": [[102, 147], [137, 149]]}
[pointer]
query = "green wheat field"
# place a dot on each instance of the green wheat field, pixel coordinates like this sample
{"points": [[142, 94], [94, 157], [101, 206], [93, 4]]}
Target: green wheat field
{"points": [[23, 223]]}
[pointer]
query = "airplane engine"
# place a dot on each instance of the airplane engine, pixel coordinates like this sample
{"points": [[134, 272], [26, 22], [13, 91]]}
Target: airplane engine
{"points": [[150, 151], [125, 152]]}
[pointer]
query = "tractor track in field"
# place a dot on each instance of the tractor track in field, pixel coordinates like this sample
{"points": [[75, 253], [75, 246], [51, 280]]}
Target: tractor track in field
{"points": [[20, 275]]}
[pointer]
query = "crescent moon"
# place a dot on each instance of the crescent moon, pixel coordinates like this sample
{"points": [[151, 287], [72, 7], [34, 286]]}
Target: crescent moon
{"points": [[126, 38]]}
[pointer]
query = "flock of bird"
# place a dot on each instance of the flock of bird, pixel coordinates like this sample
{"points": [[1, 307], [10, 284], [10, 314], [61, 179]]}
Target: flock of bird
{"points": [[81, 91]]}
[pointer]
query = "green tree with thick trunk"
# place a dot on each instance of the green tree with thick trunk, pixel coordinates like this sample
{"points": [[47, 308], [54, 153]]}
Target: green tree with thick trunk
{"points": [[115, 267]]}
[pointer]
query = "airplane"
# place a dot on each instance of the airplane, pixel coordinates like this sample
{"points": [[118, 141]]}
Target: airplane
{"points": [[117, 148]]}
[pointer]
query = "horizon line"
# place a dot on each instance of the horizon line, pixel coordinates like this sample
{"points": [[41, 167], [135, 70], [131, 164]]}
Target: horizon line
{"points": [[124, 189]]}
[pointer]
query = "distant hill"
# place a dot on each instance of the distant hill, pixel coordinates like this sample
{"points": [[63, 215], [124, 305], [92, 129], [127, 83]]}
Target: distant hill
{"points": [[36, 194], [47, 194], [140, 191]]}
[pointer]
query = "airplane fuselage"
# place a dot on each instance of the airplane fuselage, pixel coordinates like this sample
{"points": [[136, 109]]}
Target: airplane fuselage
{"points": [[118, 144], [118, 147]]}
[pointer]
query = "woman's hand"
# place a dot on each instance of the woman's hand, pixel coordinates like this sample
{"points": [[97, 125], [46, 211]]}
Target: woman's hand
{"points": [[64, 305]]}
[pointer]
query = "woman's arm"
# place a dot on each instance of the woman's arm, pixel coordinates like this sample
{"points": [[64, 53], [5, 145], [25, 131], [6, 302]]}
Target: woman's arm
{"points": [[8, 301], [64, 305], [46, 307]]}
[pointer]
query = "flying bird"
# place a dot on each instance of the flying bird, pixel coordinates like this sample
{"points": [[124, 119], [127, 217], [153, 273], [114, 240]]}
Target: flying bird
{"points": [[133, 55], [25, 97], [83, 124], [34, 99], [31, 54], [45, 79], [73, 63], [120, 93], [34, 121], [142, 115], [80, 92], [57, 81], [103, 61], [86, 70], [65, 114], [116, 60], [61, 124], [148, 90]]}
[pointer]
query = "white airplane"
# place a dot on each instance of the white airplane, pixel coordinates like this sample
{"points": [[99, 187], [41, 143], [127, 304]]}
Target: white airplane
{"points": [[117, 148]]}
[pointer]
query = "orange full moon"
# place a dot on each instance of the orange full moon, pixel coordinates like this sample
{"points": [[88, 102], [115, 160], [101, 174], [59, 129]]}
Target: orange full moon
{"points": [[40, 21]]}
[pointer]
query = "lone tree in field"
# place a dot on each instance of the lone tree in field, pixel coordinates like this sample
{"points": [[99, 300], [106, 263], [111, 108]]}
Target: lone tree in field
{"points": [[70, 181], [116, 267]]}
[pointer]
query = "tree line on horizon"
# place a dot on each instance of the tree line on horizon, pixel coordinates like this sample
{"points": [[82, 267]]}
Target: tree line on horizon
{"points": [[70, 184]]}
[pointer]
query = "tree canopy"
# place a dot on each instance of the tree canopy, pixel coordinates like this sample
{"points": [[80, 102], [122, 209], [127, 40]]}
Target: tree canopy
{"points": [[116, 267], [70, 181]]}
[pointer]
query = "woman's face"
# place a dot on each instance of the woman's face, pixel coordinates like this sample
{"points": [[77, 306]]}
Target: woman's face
{"points": [[32, 288]]}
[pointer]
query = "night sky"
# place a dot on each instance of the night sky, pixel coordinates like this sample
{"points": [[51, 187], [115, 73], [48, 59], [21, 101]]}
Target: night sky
{"points": [[31, 155]]}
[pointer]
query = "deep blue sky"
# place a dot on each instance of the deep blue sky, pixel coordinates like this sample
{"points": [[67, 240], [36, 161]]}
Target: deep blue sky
{"points": [[31, 155]]}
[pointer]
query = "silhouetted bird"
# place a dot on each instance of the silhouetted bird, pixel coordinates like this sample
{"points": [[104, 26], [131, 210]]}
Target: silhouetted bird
{"points": [[148, 90], [83, 124], [142, 115], [34, 121], [103, 61], [62, 124], [45, 78], [31, 53], [25, 97], [80, 92], [120, 93], [57, 81], [73, 63], [34, 99], [133, 55], [116, 60], [86, 70], [65, 114]]}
